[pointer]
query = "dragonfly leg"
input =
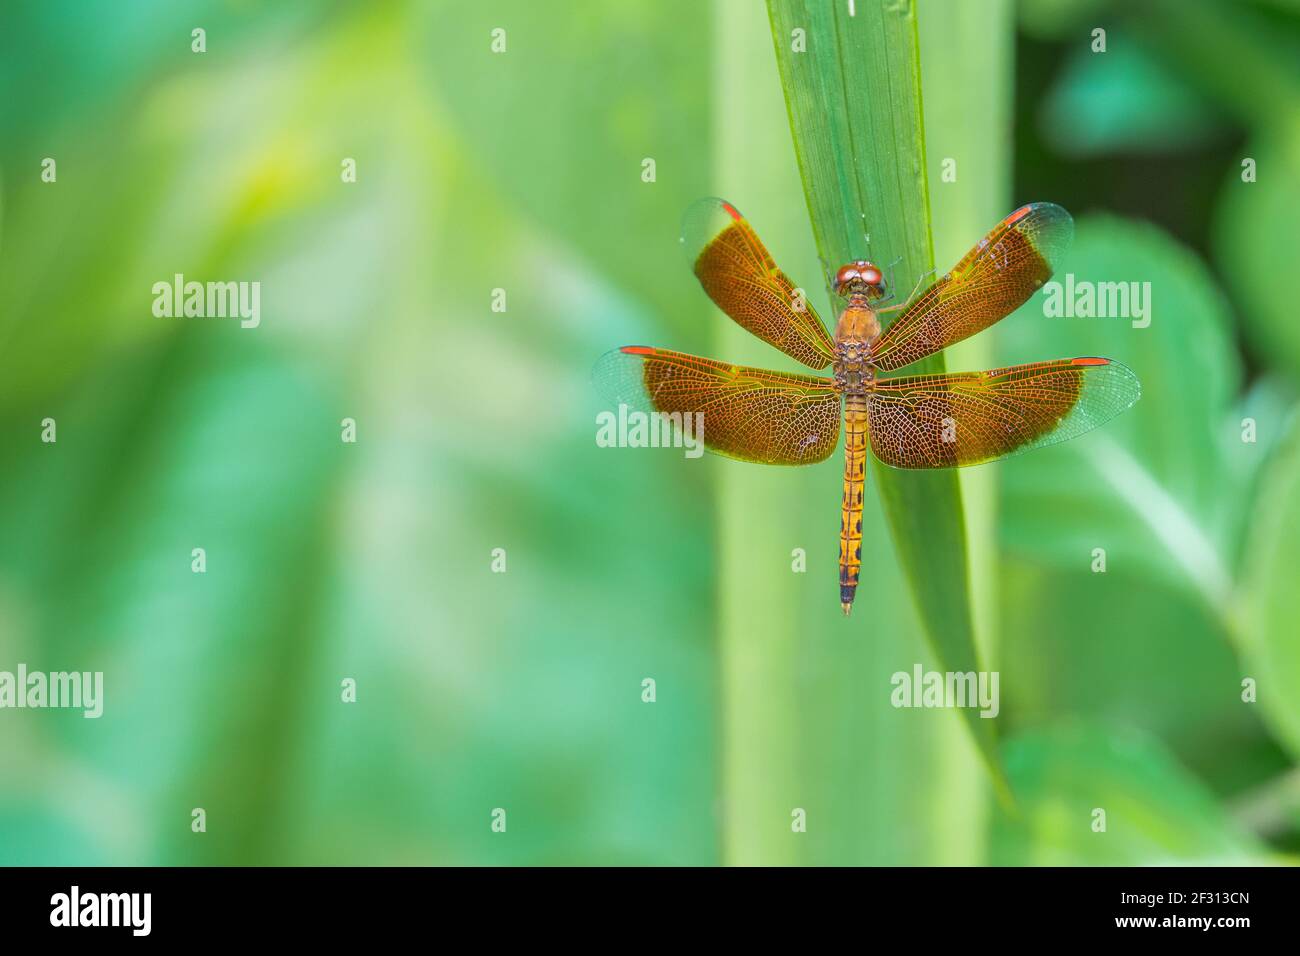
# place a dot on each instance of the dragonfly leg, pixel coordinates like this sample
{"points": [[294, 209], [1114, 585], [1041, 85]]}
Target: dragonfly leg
{"points": [[890, 267], [908, 301]]}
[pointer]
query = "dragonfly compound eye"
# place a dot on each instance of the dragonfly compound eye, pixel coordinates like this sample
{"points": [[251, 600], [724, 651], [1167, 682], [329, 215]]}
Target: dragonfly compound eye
{"points": [[846, 277]]}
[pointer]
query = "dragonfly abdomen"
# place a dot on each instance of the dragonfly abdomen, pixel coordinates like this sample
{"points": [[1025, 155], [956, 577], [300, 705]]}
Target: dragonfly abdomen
{"points": [[855, 462]]}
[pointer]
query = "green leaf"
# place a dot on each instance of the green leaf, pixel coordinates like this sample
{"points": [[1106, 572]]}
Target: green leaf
{"points": [[968, 137], [1255, 242], [801, 689], [1150, 640], [1156, 470], [1271, 599], [1124, 101], [1236, 55], [969, 125], [1155, 812], [854, 101]]}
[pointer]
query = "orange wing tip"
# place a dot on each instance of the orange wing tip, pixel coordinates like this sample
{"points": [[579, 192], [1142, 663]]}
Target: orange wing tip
{"points": [[1090, 361], [1016, 216], [636, 350], [732, 211]]}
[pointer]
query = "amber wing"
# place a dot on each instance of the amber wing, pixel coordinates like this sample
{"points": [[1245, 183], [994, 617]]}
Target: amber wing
{"points": [[943, 421], [748, 413], [739, 275], [991, 281]]}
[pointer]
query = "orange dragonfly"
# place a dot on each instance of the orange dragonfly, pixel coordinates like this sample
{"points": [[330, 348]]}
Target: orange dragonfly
{"points": [[911, 421]]}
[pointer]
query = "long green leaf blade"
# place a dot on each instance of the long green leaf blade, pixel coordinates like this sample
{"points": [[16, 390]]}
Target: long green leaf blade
{"points": [[854, 101]]}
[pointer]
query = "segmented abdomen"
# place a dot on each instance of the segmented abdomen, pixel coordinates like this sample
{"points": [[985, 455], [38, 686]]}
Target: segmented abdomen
{"points": [[855, 461]]}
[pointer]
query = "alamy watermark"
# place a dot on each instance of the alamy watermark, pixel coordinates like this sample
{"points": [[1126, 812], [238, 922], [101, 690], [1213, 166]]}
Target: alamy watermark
{"points": [[82, 690], [75, 908], [1084, 299], [208, 300], [922, 688], [631, 428]]}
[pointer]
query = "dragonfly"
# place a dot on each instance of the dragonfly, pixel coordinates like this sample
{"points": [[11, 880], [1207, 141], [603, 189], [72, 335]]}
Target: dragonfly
{"points": [[910, 421]]}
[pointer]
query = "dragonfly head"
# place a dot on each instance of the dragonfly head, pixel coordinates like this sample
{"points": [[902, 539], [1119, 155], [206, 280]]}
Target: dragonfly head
{"points": [[860, 277]]}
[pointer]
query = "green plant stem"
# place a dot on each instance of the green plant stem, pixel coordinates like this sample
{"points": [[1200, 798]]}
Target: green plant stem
{"points": [[968, 126], [854, 103], [807, 721]]}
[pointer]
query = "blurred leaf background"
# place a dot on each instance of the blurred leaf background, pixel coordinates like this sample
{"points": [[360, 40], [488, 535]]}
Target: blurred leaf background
{"points": [[522, 170]]}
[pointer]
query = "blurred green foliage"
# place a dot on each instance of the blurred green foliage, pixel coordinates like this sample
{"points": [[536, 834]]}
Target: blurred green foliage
{"points": [[522, 170]]}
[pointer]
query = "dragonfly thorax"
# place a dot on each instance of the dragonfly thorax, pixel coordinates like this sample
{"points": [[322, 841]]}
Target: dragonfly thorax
{"points": [[854, 378], [857, 327]]}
